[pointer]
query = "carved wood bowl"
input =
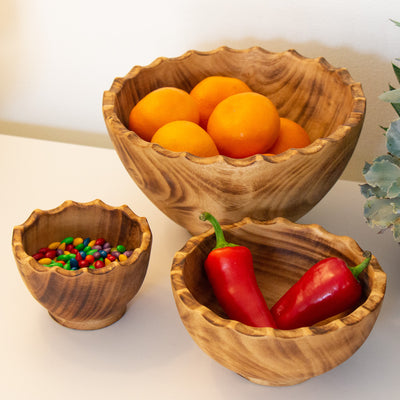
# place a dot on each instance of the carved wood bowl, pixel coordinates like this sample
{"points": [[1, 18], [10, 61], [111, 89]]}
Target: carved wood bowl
{"points": [[323, 99], [85, 298], [282, 252]]}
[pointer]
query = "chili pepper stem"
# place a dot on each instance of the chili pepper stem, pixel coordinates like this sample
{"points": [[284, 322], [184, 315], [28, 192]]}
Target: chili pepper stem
{"points": [[356, 271], [219, 234]]}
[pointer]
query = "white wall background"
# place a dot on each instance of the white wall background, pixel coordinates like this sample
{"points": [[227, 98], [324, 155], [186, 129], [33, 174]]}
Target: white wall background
{"points": [[58, 56]]}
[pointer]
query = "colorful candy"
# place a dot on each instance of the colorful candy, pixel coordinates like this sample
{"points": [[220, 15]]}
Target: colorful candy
{"points": [[75, 253]]}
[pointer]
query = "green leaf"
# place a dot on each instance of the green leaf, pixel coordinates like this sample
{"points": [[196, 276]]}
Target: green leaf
{"points": [[380, 212], [395, 22], [389, 158], [384, 175], [396, 231], [371, 191], [394, 190], [393, 138], [396, 70], [366, 168], [391, 96], [396, 106], [396, 206]]}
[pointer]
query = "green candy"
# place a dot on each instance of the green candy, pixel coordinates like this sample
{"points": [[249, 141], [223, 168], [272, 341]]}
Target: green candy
{"points": [[67, 265], [71, 255], [56, 264], [63, 257], [68, 240], [86, 249], [121, 248], [92, 251], [92, 267], [80, 246]]}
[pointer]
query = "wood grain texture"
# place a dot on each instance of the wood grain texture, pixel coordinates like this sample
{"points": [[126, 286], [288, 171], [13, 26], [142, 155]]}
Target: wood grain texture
{"points": [[84, 299], [324, 100], [282, 252]]}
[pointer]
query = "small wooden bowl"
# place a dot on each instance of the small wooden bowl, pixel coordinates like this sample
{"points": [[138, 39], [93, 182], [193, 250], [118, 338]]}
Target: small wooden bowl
{"points": [[282, 252], [323, 99], [85, 298]]}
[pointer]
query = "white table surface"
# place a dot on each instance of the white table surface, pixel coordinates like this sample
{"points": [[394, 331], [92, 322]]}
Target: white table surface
{"points": [[148, 354]]}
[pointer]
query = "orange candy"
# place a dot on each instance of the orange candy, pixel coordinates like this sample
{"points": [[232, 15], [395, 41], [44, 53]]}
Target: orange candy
{"points": [[159, 107], [244, 124], [212, 90]]}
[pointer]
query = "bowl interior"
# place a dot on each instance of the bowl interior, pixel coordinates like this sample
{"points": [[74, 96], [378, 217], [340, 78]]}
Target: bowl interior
{"points": [[281, 256], [309, 91], [80, 220]]}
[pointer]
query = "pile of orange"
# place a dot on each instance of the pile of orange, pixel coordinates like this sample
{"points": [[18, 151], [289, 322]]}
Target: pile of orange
{"points": [[221, 115]]}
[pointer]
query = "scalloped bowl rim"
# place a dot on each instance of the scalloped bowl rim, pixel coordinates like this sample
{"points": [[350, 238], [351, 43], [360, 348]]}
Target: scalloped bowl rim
{"points": [[316, 146], [24, 257], [373, 300]]}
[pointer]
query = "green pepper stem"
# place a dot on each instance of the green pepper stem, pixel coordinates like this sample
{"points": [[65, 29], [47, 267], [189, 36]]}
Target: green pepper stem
{"points": [[356, 271], [219, 234]]}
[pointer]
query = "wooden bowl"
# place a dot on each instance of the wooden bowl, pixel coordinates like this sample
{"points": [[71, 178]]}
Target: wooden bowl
{"points": [[282, 252], [84, 298], [324, 100]]}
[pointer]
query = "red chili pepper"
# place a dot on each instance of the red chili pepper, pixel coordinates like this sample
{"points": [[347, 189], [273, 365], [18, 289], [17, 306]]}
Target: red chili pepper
{"points": [[229, 268], [326, 289]]}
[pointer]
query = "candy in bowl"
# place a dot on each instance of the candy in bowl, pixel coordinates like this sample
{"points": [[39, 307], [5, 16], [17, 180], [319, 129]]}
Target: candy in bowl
{"points": [[84, 298]]}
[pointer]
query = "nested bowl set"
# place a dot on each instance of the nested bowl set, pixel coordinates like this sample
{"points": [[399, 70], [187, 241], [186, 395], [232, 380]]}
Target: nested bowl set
{"points": [[257, 199]]}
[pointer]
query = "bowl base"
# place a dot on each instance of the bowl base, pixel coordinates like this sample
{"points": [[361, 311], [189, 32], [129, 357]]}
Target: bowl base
{"points": [[90, 324], [264, 382]]}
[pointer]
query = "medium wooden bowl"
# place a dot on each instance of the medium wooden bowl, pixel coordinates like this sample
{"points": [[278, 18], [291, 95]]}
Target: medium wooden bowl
{"points": [[85, 298], [324, 100], [282, 252]]}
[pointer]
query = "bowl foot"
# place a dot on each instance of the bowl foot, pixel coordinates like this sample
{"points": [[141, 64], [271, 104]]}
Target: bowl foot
{"points": [[267, 382], [90, 324]]}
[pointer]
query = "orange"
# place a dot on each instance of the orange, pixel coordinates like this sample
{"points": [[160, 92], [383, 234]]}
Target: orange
{"points": [[291, 135], [212, 90], [244, 124], [159, 107], [185, 136]]}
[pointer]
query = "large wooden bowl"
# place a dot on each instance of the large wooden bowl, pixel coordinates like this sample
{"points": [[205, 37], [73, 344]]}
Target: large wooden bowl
{"points": [[282, 252], [324, 100], [85, 298]]}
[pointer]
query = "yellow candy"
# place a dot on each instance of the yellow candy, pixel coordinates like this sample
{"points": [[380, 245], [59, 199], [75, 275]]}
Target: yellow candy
{"points": [[45, 261], [66, 252], [62, 246], [53, 246], [77, 241], [92, 243], [122, 257], [107, 261]]}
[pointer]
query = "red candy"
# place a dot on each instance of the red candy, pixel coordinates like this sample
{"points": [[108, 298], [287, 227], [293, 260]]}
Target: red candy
{"points": [[51, 254], [99, 264], [111, 257], [69, 247], [38, 256], [83, 264], [78, 257], [100, 242]]}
